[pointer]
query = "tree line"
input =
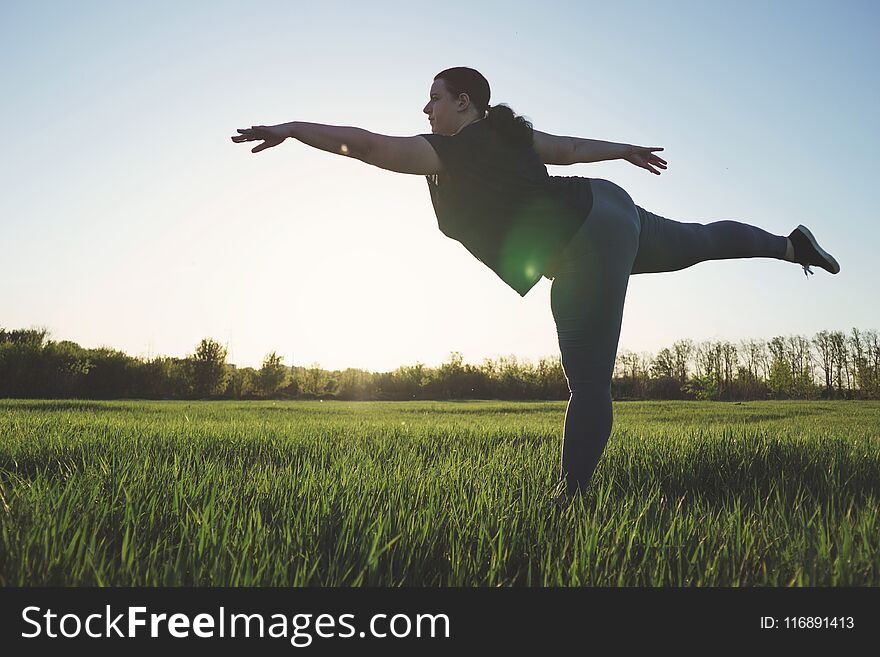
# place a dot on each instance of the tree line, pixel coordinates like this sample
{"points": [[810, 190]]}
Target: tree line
{"points": [[830, 365]]}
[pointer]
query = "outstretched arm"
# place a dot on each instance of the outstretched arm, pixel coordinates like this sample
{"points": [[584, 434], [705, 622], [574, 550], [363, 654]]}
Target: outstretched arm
{"points": [[342, 140], [401, 154], [553, 149], [595, 150]]}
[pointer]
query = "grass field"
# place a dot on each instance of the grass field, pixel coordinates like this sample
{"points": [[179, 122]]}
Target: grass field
{"points": [[435, 494]]}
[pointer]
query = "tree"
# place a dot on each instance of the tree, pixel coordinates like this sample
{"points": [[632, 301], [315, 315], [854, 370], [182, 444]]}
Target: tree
{"points": [[208, 368], [356, 384], [241, 382], [702, 387], [663, 364], [729, 363], [63, 366], [856, 347], [749, 386], [634, 373], [683, 350], [109, 374], [273, 374], [840, 356], [405, 382], [449, 379], [825, 359], [313, 381], [512, 379], [801, 360], [780, 383], [664, 381], [870, 381], [31, 337], [708, 381], [751, 377]]}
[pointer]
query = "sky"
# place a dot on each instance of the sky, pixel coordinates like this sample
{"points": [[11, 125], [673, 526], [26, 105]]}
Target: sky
{"points": [[131, 220]]}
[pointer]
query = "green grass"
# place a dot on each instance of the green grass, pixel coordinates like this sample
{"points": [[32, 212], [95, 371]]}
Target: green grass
{"points": [[435, 494]]}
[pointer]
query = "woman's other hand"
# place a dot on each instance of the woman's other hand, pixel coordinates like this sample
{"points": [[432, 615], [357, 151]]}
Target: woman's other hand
{"points": [[642, 156], [272, 135]]}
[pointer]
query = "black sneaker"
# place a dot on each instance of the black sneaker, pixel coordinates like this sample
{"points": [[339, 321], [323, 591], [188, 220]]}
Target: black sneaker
{"points": [[808, 252]]}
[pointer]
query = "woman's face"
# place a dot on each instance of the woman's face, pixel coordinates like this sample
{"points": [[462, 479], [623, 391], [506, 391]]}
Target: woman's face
{"points": [[444, 112]]}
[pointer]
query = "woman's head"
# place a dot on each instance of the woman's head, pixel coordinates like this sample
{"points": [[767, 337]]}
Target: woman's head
{"points": [[459, 96]]}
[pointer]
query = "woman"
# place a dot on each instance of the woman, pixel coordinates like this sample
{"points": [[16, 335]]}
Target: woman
{"points": [[490, 190]]}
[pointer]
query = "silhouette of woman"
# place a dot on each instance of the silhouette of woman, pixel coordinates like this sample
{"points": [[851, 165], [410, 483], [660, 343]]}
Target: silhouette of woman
{"points": [[486, 174]]}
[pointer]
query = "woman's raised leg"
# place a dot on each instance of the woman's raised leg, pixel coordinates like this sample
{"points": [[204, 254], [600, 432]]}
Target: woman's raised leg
{"points": [[667, 245]]}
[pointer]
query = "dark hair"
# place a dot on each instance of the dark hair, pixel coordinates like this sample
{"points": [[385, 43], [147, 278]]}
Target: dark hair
{"points": [[464, 80]]}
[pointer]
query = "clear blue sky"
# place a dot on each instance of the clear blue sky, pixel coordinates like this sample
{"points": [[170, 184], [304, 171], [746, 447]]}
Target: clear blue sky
{"points": [[129, 218]]}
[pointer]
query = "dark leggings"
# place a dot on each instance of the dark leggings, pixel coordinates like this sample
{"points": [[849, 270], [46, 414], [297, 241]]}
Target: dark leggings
{"points": [[619, 238]]}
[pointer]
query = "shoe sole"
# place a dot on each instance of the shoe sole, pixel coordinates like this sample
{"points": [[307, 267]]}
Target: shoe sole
{"points": [[831, 261]]}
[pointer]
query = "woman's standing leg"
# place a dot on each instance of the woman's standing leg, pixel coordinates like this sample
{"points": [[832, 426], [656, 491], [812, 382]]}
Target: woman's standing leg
{"points": [[587, 298]]}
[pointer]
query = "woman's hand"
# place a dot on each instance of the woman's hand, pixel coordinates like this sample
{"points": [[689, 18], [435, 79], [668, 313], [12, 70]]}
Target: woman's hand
{"points": [[642, 156], [272, 135]]}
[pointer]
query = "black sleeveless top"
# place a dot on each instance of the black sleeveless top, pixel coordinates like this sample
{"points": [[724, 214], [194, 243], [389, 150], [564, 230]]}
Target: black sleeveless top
{"points": [[499, 202]]}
